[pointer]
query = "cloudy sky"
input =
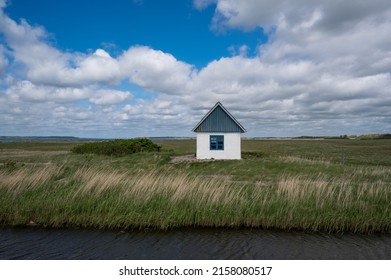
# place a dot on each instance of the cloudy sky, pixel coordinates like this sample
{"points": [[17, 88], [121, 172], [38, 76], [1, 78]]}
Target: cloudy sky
{"points": [[133, 68]]}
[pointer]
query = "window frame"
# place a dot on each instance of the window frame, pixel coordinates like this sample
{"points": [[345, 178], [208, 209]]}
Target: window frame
{"points": [[216, 142]]}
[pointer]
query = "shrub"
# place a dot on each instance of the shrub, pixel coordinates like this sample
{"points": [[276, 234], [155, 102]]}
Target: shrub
{"points": [[118, 147]]}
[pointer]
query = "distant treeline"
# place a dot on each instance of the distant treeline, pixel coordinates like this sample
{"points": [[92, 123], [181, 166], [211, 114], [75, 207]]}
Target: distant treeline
{"points": [[117, 147], [360, 137], [374, 136]]}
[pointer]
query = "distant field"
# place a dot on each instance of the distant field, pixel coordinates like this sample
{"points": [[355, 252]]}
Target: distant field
{"points": [[332, 185]]}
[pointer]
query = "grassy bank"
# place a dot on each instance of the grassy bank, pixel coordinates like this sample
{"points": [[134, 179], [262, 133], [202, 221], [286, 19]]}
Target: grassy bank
{"points": [[320, 185]]}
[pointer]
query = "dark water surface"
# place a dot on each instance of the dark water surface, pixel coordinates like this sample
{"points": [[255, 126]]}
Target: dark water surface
{"points": [[35, 243]]}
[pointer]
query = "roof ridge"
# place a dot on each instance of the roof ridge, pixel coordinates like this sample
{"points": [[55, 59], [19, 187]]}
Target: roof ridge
{"points": [[218, 103]]}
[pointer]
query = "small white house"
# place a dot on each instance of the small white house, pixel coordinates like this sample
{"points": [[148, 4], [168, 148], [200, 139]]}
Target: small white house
{"points": [[218, 135]]}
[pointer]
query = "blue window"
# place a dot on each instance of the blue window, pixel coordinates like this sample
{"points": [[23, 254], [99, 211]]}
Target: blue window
{"points": [[217, 142]]}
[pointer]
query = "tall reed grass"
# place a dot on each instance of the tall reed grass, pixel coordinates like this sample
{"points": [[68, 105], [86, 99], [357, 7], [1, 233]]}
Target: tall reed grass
{"points": [[95, 196]]}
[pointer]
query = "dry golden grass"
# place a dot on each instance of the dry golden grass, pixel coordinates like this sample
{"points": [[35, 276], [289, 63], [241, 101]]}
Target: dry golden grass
{"points": [[296, 159], [322, 189], [28, 177], [185, 186], [145, 185], [163, 197]]}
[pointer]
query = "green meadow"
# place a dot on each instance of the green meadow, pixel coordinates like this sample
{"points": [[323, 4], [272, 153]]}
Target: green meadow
{"points": [[328, 185]]}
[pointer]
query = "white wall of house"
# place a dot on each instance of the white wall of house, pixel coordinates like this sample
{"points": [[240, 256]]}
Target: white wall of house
{"points": [[232, 146]]}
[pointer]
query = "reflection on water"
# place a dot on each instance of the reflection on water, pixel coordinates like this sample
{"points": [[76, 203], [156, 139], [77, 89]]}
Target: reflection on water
{"points": [[33, 243]]}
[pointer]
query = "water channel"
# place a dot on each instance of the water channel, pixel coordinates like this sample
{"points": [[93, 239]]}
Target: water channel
{"points": [[37, 243]]}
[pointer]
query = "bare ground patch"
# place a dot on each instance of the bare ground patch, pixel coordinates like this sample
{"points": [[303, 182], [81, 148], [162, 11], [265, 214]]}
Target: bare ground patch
{"points": [[184, 158]]}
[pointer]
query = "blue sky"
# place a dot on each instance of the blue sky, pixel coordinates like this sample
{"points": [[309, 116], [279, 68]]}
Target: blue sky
{"points": [[175, 27], [154, 68]]}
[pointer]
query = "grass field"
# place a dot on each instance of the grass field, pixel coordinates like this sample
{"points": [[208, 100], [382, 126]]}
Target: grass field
{"points": [[319, 185]]}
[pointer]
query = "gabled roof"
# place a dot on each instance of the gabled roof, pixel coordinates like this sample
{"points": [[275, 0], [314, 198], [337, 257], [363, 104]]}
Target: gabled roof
{"points": [[218, 119]]}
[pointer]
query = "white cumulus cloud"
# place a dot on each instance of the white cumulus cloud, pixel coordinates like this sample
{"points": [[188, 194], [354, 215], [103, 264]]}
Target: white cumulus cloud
{"points": [[155, 70], [110, 97], [325, 69]]}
